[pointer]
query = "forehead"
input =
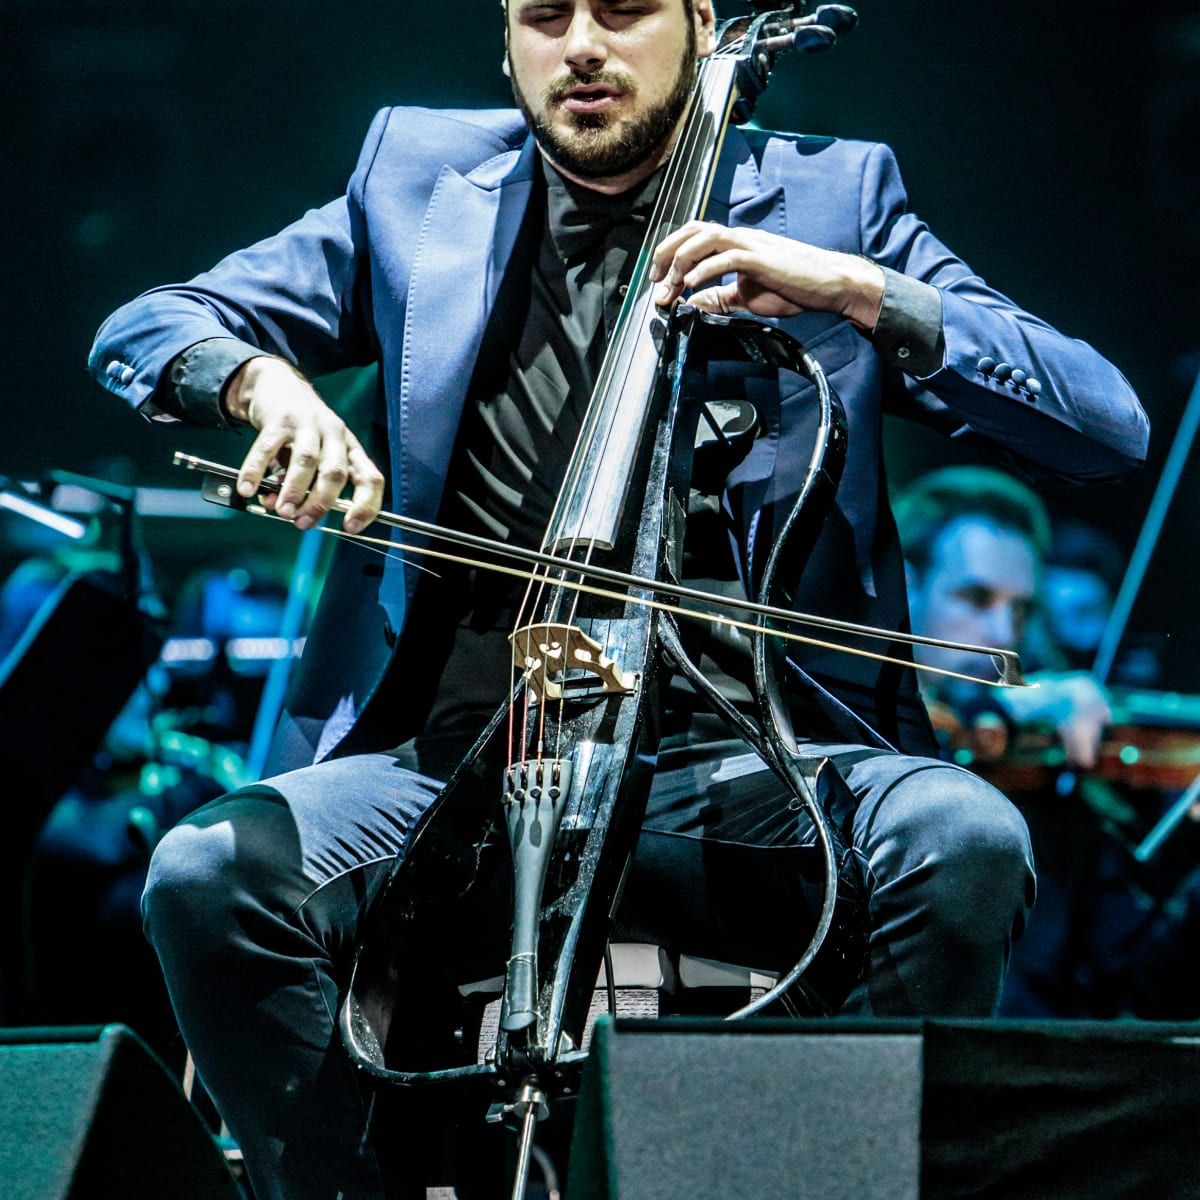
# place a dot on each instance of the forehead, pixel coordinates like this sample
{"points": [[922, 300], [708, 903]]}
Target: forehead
{"points": [[519, 8], [977, 550]]}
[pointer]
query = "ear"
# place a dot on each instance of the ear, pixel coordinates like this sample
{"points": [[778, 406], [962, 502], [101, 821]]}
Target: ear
{"points": [[706, 24]]}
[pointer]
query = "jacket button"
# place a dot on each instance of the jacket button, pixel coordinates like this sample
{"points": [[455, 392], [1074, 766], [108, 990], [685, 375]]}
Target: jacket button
{"points": [[903, 352], [985, 365], [1002, 372], [1034, 387], [1018, 377], [127, 376]]}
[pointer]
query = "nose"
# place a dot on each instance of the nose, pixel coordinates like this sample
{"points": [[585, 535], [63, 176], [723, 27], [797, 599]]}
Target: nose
{"points": [[1002, 626], [584, 48]]}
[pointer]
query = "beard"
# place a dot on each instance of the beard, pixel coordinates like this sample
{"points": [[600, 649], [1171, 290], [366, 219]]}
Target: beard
{"points": [[599, 144]]}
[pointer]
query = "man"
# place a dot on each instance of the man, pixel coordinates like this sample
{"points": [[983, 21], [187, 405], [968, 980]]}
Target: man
{"points": [[482, 268], [974, 542], [1106, 939]]}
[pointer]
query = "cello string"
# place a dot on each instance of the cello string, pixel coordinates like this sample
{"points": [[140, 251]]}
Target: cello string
{"points": [[629, 325], [671, 199], [638, 305]]}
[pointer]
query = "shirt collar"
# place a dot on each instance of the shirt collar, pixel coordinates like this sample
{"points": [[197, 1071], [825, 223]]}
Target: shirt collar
{"points": [[580, 219]]}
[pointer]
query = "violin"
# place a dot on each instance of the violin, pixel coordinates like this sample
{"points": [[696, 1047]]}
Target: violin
{"points": [[1152, 743]]}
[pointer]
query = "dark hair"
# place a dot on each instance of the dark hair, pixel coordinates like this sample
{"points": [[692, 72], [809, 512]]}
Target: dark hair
{"points": [[1083, 547], [931, 502]]}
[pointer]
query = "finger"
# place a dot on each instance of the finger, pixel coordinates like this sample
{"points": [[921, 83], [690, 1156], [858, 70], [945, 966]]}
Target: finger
{"points": [[303, 462], [367, 497], [1081, 740], [720, 300], [665, 251], [332, 473], [708, 242], [258, 460], [714, 266]]}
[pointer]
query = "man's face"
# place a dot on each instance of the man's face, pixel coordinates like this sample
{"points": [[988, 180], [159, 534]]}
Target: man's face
{"points": [[603, 83], [1077, 603], [978, 587]]}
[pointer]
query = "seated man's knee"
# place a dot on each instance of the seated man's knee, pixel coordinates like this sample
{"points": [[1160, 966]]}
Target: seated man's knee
{"points": [[202, 870], [984, 864], [953, 846]]}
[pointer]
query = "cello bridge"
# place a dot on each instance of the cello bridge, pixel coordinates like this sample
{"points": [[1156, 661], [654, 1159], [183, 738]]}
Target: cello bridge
{"points": [[557, 659]]}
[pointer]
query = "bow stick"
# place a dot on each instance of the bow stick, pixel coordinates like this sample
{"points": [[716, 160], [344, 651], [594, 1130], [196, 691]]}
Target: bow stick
{"points": [[1006, 662]]}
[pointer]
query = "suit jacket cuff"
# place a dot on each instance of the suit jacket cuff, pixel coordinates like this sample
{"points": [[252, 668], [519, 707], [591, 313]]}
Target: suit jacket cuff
{"points": [[196, 379], [909, 333]]}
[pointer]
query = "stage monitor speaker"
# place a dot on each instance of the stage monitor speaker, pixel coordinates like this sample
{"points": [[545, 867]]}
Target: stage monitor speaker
{"points": [[692, 1110], [839, 1110], [91, 1114]]}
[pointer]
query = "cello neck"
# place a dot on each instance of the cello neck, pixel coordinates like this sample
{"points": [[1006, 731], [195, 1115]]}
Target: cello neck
{"points": [[587, 512]]}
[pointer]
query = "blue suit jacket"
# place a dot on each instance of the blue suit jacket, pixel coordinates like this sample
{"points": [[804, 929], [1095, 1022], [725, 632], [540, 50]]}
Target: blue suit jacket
{"points": [[405, 267]]}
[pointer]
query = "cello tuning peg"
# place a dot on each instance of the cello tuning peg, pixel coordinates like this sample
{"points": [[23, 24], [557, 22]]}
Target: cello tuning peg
{"points": [[841, 18], [809, 39]]}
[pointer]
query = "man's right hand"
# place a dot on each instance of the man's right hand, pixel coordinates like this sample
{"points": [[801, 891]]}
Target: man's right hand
{"points": [[297, 429]]}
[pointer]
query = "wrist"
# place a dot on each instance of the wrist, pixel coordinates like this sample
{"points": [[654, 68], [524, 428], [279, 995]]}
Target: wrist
{"points": [[238, 393], [863, 284]]}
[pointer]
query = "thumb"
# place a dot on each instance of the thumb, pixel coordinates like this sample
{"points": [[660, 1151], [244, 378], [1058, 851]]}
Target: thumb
{"points": [[721, 299]]}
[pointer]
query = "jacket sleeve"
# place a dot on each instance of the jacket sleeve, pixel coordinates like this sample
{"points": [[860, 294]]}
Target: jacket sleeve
{"points": [[1061, 408], [302, 294]]}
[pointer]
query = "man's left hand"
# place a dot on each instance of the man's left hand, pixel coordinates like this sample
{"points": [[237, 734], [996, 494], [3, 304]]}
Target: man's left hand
{"points": [[775, 276]]}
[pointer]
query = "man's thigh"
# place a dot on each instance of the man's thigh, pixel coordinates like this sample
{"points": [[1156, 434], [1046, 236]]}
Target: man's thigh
{"points": [[727, 865], [306, 847]]}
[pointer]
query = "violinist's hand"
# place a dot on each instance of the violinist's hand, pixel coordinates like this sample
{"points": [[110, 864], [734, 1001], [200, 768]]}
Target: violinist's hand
{"points": [[1073, 702], [776, 276], [297, 427]]}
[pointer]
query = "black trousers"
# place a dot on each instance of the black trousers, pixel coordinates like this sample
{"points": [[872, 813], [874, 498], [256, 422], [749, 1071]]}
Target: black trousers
{"points": [[252, 904]]}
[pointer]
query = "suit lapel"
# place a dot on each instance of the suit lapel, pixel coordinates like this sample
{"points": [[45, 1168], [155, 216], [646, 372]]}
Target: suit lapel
{"points": [[467, 237], [739, 195]]}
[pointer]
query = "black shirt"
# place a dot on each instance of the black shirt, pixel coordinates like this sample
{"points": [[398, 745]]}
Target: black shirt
{"points": [[554, 315]]}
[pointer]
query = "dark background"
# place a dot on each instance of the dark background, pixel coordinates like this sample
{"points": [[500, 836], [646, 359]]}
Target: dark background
{"points": [[1054, 146]]}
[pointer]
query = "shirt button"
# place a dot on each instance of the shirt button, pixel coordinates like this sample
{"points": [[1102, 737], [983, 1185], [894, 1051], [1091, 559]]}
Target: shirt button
{"points": [[114, 369], [127, 376], [903, 352], [1034, 387], [623, 290], [1018, 377], [1002, 371], [985, 365]]}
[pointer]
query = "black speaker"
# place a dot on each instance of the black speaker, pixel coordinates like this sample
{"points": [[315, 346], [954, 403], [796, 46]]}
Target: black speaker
{"points": [[702, 1110], [91, 1114], [693, 1110]]}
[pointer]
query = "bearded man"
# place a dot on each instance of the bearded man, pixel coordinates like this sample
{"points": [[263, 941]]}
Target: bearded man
{"points": [[480, 258]]}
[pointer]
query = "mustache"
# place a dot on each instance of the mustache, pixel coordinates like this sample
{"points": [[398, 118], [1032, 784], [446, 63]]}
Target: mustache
{"points": [[558, 90]]}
